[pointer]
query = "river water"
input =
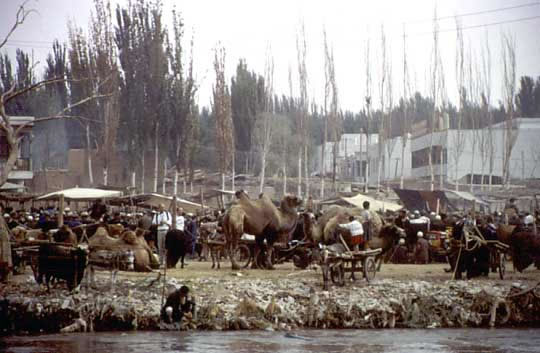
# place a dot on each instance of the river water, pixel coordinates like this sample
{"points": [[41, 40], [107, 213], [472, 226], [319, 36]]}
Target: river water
{"points": [[395, 340]]}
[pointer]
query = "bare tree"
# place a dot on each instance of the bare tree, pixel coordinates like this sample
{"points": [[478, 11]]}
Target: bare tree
{"points": [[434, 75], [390, 143], [268, 114], [325, 112], [222, 113], [368, 109], [509, 89], [486, 73], [462, 97], [303, 123], [383, 120], [405, 123]]}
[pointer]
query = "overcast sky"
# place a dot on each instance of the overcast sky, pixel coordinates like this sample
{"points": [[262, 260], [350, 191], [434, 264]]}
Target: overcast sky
{"points": [[247, 27]]}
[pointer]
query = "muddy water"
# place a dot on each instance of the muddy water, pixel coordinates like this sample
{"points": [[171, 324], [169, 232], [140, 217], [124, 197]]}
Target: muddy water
{"points": [[443, 340]]}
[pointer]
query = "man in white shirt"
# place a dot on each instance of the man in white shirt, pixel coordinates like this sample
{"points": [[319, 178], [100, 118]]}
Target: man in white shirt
{"points": [[357, 232], [163, 220], [180, 219]]}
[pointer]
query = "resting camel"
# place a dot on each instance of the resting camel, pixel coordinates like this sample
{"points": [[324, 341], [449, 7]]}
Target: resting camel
{"points": [[144, 259], [262, 219]]}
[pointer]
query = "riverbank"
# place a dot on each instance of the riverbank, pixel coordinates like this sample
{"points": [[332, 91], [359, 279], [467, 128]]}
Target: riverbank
{"points": [[401, 296]]}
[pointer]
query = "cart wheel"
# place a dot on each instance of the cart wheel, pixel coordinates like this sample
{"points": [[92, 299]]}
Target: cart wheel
{"points": [[502, 266], [242, 255], [370, 269]]}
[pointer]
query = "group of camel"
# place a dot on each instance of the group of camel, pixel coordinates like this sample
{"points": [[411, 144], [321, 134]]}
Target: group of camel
{"points": [[270, 224]]}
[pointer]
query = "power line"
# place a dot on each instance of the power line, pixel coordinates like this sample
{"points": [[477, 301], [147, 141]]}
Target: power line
{"points": [[476, 13], [478, 26]]}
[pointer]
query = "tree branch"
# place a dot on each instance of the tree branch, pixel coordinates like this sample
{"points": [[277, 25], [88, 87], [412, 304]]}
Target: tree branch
{"points": [[60, 114], [19, 20]]}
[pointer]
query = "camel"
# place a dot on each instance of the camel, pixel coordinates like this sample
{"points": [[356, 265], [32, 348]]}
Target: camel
{"points": [[129, 240], [262, 219], [325, 228]]}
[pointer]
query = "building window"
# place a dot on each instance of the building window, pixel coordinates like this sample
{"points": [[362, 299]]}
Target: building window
{"points": [[420, 158]]}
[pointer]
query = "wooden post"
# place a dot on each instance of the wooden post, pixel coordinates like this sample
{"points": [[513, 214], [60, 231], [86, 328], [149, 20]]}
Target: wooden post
{"points": [[174, 212], [61, 211], [438, 206]]}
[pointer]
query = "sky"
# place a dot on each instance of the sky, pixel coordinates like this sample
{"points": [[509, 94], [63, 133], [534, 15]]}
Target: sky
{"points": [[246, 28]]}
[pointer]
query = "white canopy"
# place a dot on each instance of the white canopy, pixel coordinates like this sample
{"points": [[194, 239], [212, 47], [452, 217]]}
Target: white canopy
{"points": [[374, 204], [81, 194], [10, 186]]}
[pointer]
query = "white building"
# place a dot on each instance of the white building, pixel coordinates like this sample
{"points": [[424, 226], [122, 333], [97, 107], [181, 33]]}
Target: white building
{"points": [[456, 155], [348, 146]]}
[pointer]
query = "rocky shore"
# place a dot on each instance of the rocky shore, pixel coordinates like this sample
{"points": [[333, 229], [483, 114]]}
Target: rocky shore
{"points": [[241, 301]]}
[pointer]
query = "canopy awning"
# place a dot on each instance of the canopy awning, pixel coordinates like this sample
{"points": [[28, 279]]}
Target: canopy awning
{"points": [[11, 187], [80, 194], [358, 200], [466, 196]]}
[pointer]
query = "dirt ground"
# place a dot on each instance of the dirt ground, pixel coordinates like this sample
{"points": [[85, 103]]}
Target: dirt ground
{"points": [[431, 272]]}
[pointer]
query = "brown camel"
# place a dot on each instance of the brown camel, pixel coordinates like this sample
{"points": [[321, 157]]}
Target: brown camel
{"points": [[262, 219], [129, 240]]}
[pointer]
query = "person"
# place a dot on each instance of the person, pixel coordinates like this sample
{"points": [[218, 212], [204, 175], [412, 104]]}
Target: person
{"points": [[98, 209], [192, 229], [162, 219], [180, 219], [400, 255], [366, 216], [178, 306], [422, 249], [357, 232], [402, 219]]}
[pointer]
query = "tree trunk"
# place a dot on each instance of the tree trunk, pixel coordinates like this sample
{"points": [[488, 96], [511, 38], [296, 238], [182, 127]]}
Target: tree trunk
{"points": [[401, 179], [306, 170], [472, 167], [89, 156], [175, 185], [233, 171], [133, 179], [299, 191], [263, 168], [164, 177], [105, 176], [156, 156], [441, 177], [142, 172], [323, 155], [284, 177], [222, 181]]}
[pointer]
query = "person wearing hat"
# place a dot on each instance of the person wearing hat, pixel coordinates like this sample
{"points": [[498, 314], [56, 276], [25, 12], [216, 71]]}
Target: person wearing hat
{"points": [[163, 221], [422, 249]]}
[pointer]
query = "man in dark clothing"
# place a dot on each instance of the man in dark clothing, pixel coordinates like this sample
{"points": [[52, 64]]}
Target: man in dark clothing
{"points": [[98, 210], [178, 306], [402, 219], [193, 230]]}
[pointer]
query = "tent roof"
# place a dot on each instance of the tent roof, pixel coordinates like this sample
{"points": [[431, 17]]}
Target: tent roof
{"points": [[374, 204], [80, 194], [11, 186], [466, 196], [357, 200]]}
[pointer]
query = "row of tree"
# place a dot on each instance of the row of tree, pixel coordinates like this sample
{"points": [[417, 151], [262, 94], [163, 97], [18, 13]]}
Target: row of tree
{"points": [[142, 73]]}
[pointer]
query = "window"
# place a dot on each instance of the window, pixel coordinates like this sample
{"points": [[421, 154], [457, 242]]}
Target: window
{"points": [[420, 158]]}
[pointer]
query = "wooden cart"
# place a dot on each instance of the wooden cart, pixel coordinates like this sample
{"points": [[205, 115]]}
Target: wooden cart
{"points": [[335, 265], [497, 251]]}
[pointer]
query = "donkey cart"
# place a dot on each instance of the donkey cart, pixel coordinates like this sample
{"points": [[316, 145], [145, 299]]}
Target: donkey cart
{"points": [[335, 264]]}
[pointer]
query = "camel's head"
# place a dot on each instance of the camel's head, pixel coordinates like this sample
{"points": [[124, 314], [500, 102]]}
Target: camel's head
{"points": [[291, 202]]}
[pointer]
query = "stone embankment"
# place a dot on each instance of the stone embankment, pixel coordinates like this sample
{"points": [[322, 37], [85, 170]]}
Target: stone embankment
{"points": [[243, 303]]}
